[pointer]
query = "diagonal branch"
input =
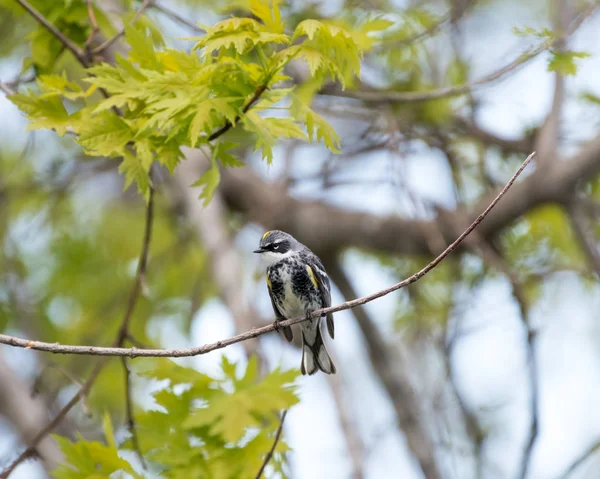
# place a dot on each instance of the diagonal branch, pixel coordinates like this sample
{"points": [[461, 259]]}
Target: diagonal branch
{"points": [[392, 372], [108, 43], [272, 450], [134, 352], [69, 45]]}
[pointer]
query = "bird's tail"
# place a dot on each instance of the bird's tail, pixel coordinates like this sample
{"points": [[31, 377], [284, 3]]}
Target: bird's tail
{"points": [[315, 356]]}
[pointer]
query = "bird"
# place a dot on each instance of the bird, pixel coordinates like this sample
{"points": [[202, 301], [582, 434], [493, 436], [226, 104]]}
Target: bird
{"points": [[298, 285]]}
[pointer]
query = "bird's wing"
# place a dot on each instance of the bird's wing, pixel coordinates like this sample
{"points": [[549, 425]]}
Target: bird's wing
{"points": [[317, 271], [287, 331]]}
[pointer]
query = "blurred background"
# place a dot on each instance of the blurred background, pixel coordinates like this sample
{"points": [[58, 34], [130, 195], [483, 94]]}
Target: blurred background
{"points": [[488, 367]]}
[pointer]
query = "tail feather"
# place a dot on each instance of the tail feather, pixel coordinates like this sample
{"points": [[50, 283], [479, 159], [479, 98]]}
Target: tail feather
{"points": [[316, 357]]}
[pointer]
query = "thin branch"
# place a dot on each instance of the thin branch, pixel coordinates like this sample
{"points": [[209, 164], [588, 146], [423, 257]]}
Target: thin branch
{"points": [[78, 52], [354, 443], [94, 23], [185, 352], [121, 336], [580, 460], [533, 385], [6, 89], [225, 128], [178, 18], [106, 44], [583, 231], [272, 450], [450, 16], [379, 96], [130, 421]]}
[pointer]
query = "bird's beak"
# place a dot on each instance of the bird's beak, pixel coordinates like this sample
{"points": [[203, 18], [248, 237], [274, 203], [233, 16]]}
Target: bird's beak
{"points": [[259, 250]]}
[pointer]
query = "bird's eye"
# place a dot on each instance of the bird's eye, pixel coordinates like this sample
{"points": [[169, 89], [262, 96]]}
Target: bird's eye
{"points": [[275, 247]]}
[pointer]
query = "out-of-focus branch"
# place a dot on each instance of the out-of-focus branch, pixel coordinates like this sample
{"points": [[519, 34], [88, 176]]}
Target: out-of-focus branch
{"points": [[210, 223], [69, 45], [390, 368], [176, 17], [275, 442], [354, 443], [582, 228], [546, 143], [26, 413], [374, 95], [589, 452], [109, 42]]}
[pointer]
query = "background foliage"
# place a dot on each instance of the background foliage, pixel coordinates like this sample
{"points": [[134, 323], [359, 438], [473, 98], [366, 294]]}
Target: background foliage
{"points": [[369, 130]]}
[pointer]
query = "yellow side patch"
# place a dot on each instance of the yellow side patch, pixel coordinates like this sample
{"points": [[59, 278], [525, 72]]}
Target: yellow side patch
{"points": [[268, 282], [312, 276], [265, 235]]}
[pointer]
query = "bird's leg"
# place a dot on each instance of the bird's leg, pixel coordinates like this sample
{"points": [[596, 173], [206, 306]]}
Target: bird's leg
{"points": [[276, 325]]}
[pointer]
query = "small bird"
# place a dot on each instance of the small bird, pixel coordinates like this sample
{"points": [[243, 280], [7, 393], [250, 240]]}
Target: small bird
{"points": [[298, 285]]}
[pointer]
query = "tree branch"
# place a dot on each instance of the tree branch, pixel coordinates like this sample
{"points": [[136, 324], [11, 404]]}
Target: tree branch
{"points": [[135, 352], [272, 450], [130, 418], [108, 43], [69, 45]]}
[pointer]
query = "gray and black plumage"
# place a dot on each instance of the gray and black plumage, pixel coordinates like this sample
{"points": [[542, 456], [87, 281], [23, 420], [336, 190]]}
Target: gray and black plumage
{"points": [[298, 284]]}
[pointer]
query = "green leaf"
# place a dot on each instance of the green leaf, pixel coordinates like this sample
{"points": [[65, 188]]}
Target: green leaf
{"points": [[269, 13], [142, 48], [105, 134], [564, 62], [209, 181], [43, 113], [230, 414], [220, 153]]}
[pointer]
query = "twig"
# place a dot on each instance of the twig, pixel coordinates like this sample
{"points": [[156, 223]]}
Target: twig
{"points": [[225, 128], [580, 460], [185, 352], [6, 88], [121, 336], [450, 16], [582, 228], [130, 421], [94, 23], [78, 52], [378, 96], [272, 450], [107, 43], [178, 18]]}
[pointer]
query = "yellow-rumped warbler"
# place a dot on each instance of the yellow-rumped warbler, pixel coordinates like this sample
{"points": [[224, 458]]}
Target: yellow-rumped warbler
{"points": [[298, 285]]}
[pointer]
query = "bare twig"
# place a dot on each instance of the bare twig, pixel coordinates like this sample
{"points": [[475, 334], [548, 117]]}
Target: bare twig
{"points": [[107, 43], [184, 352], [130, 421], [5, 87], [94, 23], [121, 336], [354, 443], [178, 18], [78, 52], [583, 231], [581, 459], [272, 450]]}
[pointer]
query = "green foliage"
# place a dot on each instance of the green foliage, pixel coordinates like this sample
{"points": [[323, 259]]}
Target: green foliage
{"points": [[92, 459], [564, 62], [159, 100], [201, 426]]}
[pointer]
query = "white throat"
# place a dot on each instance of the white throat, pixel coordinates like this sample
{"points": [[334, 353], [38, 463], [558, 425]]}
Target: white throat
{"points": [[269, 258]]}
